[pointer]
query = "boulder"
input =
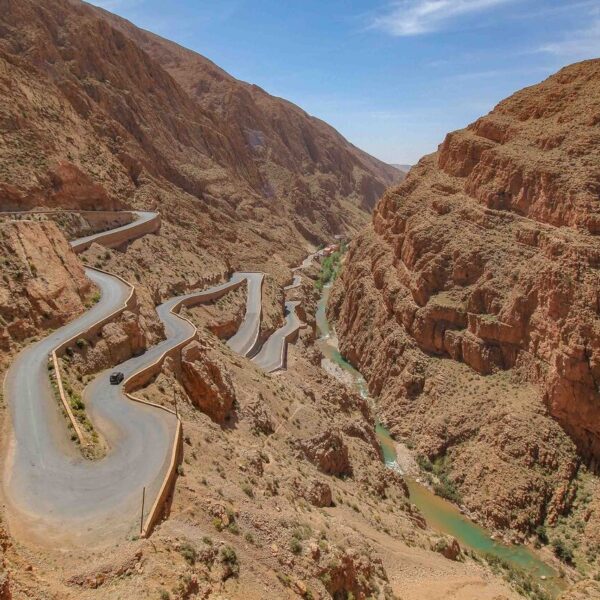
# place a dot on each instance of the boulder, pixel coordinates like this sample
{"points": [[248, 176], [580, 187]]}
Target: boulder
{"points": [[207, 381], [328, 452]]}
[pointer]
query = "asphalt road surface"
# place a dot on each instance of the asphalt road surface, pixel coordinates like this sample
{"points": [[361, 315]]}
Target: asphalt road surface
{"points": [[141, 217], [245, 341], [296, 283], [273, 354]]}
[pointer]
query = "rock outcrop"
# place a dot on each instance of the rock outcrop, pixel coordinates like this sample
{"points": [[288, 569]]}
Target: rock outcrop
{"points": [[471, 304], [43, 284], [116, 342], [206, 381], [352, 572], [448, 547], [315, 491], [327, 451], [4, 586]]}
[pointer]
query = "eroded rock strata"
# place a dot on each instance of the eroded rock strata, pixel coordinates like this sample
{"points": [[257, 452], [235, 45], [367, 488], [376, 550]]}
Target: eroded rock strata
{"points": [[471, 303]]}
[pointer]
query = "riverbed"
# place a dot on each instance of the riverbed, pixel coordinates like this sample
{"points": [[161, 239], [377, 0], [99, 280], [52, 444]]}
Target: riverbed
{"points": [[440, 514]]}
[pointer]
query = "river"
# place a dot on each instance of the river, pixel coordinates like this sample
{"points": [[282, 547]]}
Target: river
{"points": [[440, 514]]}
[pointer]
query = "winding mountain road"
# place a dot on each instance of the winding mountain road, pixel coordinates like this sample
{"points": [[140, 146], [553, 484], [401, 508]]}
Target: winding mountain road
{"points": [[296, 283], [273, 354], [246, 340], [58, 494]]}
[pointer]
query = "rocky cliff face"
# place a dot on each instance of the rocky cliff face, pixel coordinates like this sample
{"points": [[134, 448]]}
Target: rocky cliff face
{"points": [[97, 114], [471, 303], [43, 284]]}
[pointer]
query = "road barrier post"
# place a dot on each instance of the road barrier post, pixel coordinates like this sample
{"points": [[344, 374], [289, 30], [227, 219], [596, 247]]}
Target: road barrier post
{"points": [[142, 515]]}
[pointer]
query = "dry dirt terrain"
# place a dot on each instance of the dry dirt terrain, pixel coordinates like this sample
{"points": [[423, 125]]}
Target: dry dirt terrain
{"points": [[471, 305]]}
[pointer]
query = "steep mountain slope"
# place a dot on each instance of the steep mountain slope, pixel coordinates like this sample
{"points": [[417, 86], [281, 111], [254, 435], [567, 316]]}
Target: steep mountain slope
{"points": [[97, 117], [471, 304], [281, 138]]}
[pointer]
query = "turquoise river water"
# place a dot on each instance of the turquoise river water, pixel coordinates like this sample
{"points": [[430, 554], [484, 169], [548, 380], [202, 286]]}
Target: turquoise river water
{"points": [[441, 515]]}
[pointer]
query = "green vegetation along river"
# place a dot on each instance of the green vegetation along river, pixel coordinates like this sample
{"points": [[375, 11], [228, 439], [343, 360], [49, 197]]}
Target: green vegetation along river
{"points": [[441, 515]]}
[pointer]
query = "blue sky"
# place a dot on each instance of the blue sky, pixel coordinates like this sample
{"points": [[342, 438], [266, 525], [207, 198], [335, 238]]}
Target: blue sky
{"points": [[391, 76]]}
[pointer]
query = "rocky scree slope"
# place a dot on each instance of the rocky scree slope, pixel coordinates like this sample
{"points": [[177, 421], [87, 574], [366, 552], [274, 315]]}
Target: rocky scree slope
{"points": [[471, 303], [96, 113]]}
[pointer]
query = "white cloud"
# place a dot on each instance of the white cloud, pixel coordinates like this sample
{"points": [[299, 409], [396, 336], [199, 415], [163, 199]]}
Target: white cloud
{"points": [[581, 44], [415, 17]]}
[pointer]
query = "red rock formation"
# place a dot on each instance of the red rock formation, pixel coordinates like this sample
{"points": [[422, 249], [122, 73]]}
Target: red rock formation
{"points": [[117, 341], [352, 572], [43, 284], [327, 451], [206, 381], [487, 255], [315, 491], [4, 586]]}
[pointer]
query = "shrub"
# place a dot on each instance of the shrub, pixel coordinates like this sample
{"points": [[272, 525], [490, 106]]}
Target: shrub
{"points": [[296, 546], [541, 533], [329, 270], [446, 489], [229, 557], [233, 528], [81, 343], [562, 550], [189, 553], [424, 463], [77, 403]]}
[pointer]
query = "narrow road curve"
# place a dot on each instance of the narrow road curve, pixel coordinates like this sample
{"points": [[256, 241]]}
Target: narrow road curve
{"points": [[296, 283], [246, 340], [144, 222], [57, 494], [273, 354]]}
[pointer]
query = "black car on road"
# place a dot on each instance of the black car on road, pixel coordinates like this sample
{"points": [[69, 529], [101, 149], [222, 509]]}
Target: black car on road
{"points": [[116, 377]]}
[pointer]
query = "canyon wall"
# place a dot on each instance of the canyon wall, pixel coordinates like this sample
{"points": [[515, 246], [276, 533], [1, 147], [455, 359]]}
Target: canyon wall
{"points": [[471, 303]]}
